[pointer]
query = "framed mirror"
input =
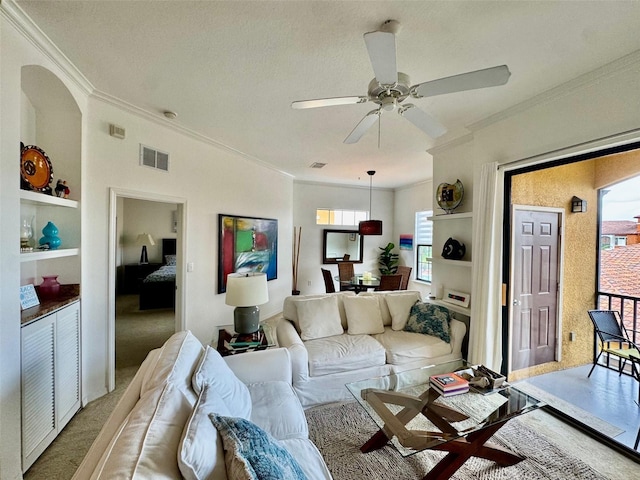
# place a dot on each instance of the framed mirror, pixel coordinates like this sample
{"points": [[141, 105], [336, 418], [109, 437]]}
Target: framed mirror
{"points": [[338, 243]]}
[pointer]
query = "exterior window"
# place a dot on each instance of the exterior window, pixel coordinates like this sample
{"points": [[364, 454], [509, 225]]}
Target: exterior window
{"points": [[424, 249], [325, 216]]}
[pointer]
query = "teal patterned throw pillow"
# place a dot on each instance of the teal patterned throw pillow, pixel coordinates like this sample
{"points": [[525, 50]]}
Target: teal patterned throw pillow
{"points": [[429, 319], [253, 454]]}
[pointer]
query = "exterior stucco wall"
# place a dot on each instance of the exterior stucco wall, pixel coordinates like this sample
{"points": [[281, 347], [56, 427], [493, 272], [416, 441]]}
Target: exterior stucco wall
{"points": [[554, 187], [616, 168]]}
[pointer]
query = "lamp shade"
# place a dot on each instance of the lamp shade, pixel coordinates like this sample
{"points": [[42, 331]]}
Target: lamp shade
{"points": [[370, 227], [247, 289], [145, 239]]}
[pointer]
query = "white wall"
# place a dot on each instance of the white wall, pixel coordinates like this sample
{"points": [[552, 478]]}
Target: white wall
{"points": [[409, 200], [143, 216], [307, 197]]}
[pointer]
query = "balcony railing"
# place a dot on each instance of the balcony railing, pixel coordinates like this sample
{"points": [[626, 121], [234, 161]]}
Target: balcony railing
{"points": [[629, 309]]}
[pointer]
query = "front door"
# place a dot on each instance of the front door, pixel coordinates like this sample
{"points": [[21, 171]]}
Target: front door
{"points": [[534, 299]]}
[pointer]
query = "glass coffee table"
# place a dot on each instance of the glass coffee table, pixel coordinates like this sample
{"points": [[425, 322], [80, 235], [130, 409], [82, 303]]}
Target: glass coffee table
{"points": [[415, 418]]}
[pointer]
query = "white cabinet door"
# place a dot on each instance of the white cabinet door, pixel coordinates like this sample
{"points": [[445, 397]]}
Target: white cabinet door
{"points": [[38, 388], [50, 379], [67, 364]]}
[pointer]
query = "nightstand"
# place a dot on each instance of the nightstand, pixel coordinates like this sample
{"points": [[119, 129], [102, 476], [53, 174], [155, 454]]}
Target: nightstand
{"points": [[135, 273]]}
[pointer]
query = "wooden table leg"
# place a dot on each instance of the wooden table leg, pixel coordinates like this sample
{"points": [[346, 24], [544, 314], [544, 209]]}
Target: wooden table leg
{"points": [[473, 445], [379, 440]]}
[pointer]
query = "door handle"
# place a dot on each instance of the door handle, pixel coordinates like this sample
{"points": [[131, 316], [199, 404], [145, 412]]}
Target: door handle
{"points": [[516, 302]]}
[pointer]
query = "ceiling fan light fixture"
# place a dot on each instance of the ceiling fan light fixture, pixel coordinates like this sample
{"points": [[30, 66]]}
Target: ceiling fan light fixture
{"points": [[389, 104], [370, 227]]}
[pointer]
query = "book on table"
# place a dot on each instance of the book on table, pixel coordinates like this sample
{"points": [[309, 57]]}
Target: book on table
{"points": [[244, 340], [448, 384]]}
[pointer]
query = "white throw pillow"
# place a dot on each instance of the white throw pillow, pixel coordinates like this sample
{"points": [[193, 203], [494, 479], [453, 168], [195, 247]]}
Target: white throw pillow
{"points": [[319, 317], [201, 455], [215, 372], [400, 307], [363, 315]]}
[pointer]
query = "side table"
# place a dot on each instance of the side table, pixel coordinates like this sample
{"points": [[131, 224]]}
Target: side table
{"points": [[226, 334]]}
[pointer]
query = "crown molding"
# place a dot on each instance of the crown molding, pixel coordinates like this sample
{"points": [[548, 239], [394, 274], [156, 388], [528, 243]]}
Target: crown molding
{"points": [[455, 142], [32, 33], [610, 69]]}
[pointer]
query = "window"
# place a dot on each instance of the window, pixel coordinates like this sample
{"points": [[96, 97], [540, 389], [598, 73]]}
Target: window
{"points": [[424, 248], [325, 216]]}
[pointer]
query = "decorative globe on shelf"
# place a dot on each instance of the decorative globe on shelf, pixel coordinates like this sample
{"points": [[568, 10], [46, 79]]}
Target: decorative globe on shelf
{"points": [[50, 232], [449, 196]]}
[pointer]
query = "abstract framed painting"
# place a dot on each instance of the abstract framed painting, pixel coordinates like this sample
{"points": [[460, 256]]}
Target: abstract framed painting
{"points": [[246, 244]]}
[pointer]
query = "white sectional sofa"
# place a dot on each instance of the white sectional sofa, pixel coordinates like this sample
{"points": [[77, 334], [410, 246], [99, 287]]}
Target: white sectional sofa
{"points": [[163, 425], [339, 338]]}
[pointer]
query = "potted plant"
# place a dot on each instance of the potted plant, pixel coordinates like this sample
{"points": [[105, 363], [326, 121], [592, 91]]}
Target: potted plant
{"points": [[387, 260]]}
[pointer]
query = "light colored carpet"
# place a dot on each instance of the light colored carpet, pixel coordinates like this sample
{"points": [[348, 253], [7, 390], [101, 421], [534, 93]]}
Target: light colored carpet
{"points": [[569, 409], [137, 332], [339, 430]]}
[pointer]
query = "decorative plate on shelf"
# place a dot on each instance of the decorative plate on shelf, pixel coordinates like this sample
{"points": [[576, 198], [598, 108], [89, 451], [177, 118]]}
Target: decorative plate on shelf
{"points": [[36, 168], [449, 196]]}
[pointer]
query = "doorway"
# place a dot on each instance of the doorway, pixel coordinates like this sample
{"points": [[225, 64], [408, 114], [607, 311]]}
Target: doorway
{"points": [[135, 327], [536, 260]]}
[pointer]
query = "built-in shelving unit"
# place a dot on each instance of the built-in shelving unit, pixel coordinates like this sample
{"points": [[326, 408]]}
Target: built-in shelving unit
{"points": [[451, 216], [37, 198], [454, 263]]}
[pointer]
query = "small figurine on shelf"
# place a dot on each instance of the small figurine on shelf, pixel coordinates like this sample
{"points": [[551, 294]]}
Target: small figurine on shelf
{"points": [[61, 189]]}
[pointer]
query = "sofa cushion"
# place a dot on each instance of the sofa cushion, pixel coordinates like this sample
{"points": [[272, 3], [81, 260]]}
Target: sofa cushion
{"points": [[147, 442], [404, 347], [200, 455], [308, 457], [251, 453], [363, 315], [343, 353], [384, 307], [400, 307], [319, 317], [176, 363], [290, 311], [429, 319], [214, 371], [277, 410]]}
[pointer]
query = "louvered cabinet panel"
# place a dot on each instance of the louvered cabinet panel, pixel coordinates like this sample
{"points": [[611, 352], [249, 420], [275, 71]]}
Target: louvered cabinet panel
{"points": [[67, 364], [38, 388]]}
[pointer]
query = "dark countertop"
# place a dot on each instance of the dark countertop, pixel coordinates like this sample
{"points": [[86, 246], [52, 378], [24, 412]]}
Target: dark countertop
{"points": [[68, 294]]}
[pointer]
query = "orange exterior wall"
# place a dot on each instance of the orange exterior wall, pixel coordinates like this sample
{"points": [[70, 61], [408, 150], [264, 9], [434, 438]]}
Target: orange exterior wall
{"points": [[554, 187]]}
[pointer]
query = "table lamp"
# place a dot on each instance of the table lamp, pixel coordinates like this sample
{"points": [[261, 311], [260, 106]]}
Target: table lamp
{"points": [[144, 239], [245, 291]]}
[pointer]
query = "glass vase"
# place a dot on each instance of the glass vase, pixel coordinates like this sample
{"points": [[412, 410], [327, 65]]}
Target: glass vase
{"points": [[49, 288]]}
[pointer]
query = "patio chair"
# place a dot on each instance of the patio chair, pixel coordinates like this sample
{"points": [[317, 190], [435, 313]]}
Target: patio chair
{"points": [[615, 341], [328, 281]]}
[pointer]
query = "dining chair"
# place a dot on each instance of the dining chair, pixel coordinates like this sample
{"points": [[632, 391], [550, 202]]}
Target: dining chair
{"points": [[405, 271], [345, 274], [328, 281], [390, 282]]}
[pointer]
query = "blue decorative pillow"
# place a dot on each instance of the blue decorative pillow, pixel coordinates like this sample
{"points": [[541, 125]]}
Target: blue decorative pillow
{"points": [[253, 454], [429, 319]]}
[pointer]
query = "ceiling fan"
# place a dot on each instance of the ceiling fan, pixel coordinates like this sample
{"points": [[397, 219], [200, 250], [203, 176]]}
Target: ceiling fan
{"points": [[390, 88]]}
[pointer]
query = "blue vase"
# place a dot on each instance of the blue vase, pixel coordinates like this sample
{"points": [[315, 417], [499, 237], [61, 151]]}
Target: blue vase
{"points": [[50, 232]]}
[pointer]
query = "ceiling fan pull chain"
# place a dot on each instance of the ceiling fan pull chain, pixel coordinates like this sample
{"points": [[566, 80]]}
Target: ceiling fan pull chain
{"points": [[379, 122]]}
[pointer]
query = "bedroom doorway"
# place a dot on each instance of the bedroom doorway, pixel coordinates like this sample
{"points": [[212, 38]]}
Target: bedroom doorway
{"points": [[146, 294]]}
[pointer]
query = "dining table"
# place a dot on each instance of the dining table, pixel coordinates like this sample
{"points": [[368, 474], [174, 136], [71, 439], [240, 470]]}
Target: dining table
{"points": [[362, 284]]}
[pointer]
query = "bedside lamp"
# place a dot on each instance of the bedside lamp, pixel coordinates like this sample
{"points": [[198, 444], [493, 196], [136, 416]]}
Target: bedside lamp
{"points": [[143, 240], [245, 291]]}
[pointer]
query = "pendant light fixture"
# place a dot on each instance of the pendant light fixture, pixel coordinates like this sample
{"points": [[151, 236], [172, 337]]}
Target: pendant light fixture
{"points": [[370, 227]]}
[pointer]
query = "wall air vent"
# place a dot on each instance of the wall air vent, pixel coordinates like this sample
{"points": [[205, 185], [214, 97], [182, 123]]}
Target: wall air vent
{"points": [[317, 165], [150, 157]]}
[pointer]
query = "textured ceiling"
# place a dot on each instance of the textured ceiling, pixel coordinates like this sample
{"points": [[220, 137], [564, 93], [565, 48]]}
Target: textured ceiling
{"points": [[231, 69]]}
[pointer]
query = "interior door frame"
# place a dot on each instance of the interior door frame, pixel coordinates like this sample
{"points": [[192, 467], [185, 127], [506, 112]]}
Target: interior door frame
{"points": [[114, 195], [560, 294]]}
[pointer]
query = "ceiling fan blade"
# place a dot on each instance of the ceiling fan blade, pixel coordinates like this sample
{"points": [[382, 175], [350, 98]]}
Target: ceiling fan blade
{"points": [[382, 52], [489, 77], [364, 125], [422, 120], [327, 102]]}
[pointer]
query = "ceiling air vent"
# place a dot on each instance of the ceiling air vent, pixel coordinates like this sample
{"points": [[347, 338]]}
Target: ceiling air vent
{"points": [[317, 165], [150, 157]]}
